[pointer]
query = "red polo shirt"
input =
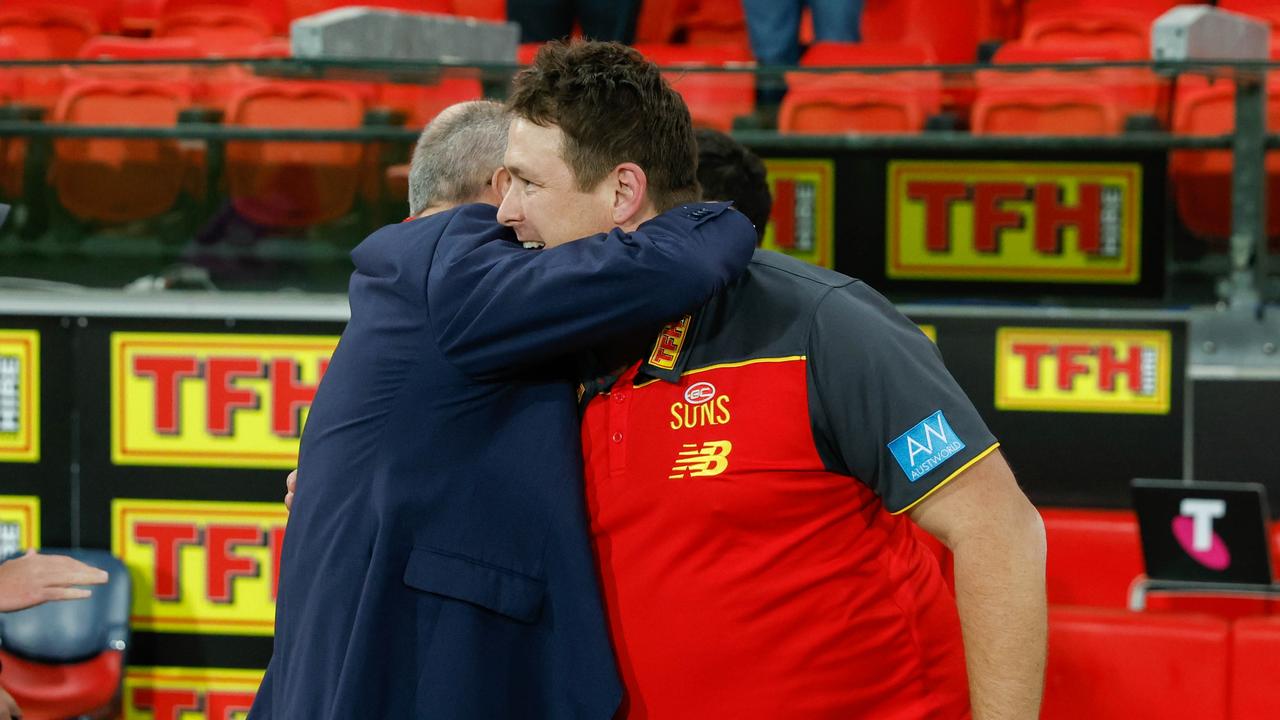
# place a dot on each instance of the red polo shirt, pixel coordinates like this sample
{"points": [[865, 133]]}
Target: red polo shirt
{"points": [[742, 486]]}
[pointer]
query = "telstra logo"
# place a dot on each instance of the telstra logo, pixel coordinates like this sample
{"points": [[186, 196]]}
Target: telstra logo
{"points": [[1193, 528]]}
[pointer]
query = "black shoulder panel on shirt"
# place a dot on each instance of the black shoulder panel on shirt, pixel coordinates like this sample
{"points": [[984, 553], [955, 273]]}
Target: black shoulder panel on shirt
{"points": [[765, 313]]}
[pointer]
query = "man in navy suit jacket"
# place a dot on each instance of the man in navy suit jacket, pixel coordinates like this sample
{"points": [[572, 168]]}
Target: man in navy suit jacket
{"points": [[437, 563]]}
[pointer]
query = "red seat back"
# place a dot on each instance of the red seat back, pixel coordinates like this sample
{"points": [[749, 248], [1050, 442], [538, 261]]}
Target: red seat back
{"points": [[1255, 665], [716, 22], [224, 31], [714, 98], [949, 29], [1093, 556], [112, 179], [1120, 27], [272, 11], [46, 30], [1116, 665], [294, 184], [1201, 179]]}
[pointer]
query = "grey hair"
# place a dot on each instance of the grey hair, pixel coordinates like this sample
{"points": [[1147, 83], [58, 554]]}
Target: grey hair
{"points": [[457, 154]]}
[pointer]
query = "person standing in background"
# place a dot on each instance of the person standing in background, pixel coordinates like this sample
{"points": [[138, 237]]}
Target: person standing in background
{"points": [[543, 20], [774, 30]]}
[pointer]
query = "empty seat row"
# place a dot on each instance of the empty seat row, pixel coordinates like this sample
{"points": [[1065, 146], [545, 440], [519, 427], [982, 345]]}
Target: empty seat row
{"points": [[1114, 665], [273, 184], [169, 18]]}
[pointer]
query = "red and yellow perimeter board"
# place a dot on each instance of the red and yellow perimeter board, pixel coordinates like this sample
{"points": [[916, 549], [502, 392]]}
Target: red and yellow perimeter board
{"points": [[1084, 370], [178, 693], [200, 567], [19, 523], [212, 400], [19, 396], [1066, 222], [802, 223]]}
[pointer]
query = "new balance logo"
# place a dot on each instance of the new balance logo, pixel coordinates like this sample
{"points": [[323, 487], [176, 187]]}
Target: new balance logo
{"points": [[705, 460]]}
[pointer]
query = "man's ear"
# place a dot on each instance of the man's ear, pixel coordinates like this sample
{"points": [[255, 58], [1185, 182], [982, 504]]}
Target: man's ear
{"points": [[631, 193], [498, 186]]}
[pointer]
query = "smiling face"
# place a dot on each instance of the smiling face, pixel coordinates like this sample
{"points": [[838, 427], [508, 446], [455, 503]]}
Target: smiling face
{"points": [[543, 203]]}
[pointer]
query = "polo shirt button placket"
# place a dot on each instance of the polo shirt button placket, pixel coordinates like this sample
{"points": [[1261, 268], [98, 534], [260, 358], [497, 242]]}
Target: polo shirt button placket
{"points": [[618, 432]]}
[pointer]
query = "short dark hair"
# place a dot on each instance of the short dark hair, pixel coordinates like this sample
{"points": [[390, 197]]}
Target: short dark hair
{"points": [[613, 107], [727, 170]]}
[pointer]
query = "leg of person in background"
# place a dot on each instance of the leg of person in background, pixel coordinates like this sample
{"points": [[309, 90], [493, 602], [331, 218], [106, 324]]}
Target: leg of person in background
{"points": [[836, 20], [541, 20], [608, 19], [774, 29]]}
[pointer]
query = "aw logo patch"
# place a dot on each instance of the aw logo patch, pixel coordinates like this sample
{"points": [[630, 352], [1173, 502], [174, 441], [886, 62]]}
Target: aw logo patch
{"points": [[926, 446]]}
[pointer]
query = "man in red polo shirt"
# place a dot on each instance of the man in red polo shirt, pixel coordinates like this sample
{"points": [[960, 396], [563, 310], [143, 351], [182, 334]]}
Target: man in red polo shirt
{"points": [[752, 475]]}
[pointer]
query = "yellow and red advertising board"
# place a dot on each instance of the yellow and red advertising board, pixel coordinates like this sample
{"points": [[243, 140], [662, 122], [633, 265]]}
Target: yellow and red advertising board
{"points": [[802, 223], [210, 400], [1084, 370], [1033, 221], [186, 693], [200, 567], [19, 396], [19, 523]]}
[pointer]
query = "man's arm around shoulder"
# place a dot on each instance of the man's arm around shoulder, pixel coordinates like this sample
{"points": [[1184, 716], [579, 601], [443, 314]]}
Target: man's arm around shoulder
{"points": [[497, 307]]}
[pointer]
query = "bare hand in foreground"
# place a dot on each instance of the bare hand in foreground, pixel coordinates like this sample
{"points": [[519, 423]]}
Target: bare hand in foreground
{"points": [[291, 486], [34, 579], [9, 709]]}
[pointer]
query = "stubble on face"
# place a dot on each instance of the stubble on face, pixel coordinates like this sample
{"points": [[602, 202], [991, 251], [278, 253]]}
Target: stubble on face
{"points": [[544, 204]]}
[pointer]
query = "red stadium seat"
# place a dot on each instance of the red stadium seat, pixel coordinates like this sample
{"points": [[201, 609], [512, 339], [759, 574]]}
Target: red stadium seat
{"points": [[714, 99], [1094, 556], [659, 20], [1041, 105], [893, 102], [294, 184], [1201, 179], [139, 17], [717, 22], [421, 102], [999, 19], [1116, 665], [226, 31], [272, 11], [1255, 665], [118, 180], [949, 29], [47, 30], [105, 14], [1138, 91], [1122, 28], [1148, 8]]}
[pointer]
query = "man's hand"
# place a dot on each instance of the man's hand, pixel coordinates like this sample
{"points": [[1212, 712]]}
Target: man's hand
{"points": [[34, 579], [290, 486], [9, 709]]}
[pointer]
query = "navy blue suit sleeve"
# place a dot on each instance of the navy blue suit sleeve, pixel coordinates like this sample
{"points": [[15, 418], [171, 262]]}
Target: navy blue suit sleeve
{"points": [[496, 306]]}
